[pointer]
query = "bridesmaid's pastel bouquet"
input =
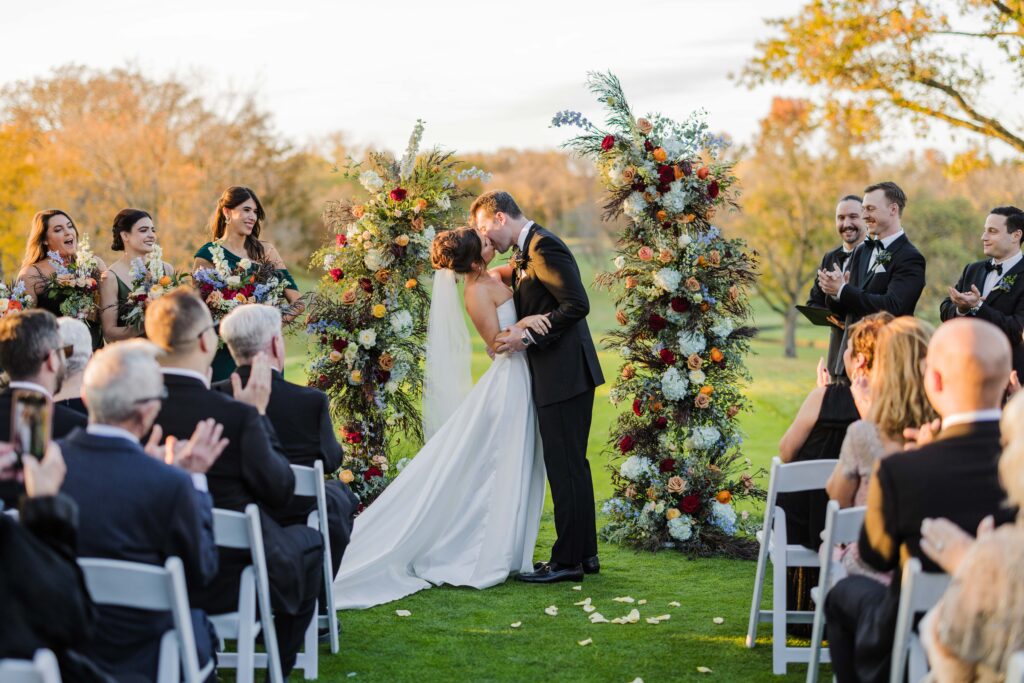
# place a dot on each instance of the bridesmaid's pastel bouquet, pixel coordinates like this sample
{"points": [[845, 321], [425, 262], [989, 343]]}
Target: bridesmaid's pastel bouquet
{"points": [[13, 298], [223, 287], [75, 282], [148, 280]]}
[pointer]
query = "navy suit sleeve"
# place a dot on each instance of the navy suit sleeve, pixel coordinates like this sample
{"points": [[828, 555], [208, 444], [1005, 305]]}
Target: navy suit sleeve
{"points": [[329, 446], [905, 286], [556, 269], [265, 469], [816, 297], [190, 533], [947, 309]]}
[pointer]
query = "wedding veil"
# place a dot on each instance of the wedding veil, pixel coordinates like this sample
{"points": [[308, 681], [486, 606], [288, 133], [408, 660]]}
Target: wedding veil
{"points": [[446, 378]]}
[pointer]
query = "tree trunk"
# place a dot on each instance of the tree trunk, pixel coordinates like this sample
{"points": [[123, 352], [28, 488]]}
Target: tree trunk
{"points": [[789, 333]]}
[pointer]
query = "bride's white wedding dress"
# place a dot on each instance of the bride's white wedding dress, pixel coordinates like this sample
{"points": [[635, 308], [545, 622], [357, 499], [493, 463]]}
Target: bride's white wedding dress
{"points": [[466, 509]]}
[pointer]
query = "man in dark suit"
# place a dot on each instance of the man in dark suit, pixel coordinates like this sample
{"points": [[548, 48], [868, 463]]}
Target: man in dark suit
{"points": [[564, 370], [852, 230], [134, 507], [33, 357], [251, 469], [953, 476], [989, 289], [886, 273], [300, 416]]}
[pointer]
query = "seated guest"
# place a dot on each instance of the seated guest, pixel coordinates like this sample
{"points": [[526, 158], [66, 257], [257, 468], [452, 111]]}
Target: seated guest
{"points": [[74, 333], [989, 289], [896, 401], [251, 469], [300, 416], [979, 623], [135, 507], [32, 355], [954, 476], [45, 601]]}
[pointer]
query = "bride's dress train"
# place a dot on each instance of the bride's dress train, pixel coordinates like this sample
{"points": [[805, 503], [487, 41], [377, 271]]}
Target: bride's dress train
{"points": [[466, 509]]}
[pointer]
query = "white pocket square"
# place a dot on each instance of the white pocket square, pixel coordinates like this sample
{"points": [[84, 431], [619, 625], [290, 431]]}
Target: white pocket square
{"points": [[880, 269]]}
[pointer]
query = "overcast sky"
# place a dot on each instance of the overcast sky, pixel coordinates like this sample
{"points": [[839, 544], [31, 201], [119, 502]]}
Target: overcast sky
{"points": [[483, 75]]}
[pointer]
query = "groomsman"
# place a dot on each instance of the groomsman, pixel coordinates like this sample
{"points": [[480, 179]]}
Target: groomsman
{"points": [[990, 289], [885, 273], [852, 230]]}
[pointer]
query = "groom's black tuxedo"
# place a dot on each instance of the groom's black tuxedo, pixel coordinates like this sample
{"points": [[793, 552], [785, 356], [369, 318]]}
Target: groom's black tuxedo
{"points": [[564, 370], [1004, 309]]}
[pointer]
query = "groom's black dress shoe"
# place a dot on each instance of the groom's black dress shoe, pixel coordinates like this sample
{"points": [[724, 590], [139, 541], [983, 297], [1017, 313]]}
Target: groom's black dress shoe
{"points": [[591, 565], [552, 572]]}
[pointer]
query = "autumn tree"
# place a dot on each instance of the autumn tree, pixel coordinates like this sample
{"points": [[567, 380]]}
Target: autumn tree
{"points": [[792, 176], [922, 58]]}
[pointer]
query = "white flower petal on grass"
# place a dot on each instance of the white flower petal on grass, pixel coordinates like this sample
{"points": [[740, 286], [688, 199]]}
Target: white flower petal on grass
{"points": [[577, 588], [703, 670], [633, 617], [674, 604], [588, 608], [623, 599], [582, 603], [598, 618], [653, 620], [403, 612], [718, 620], [351, 674], [551, 611], [641, 602], [664, 617], [516, 625], [637, 680], [584, 643]]}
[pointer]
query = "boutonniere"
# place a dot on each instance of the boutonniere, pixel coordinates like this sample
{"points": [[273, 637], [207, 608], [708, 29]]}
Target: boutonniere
{"points": [[519, 260], [1005, 284]]}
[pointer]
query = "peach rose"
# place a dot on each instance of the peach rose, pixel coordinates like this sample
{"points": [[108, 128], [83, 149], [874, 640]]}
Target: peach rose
{"points": [[715, 257], [655, 406], [644, 126], [358, 211], [346, 476], [651, 493], [628, 372], [349, 297], [659, 154], [694, 362], [630, 492], [648, 197], [705, 307], [662, 215], [676, 485], [666, 256], [645, 253], [677, 172], [672, 514], [628, 174], [419, 205], [702, 401], [621, 318], [732, 411], [689, 218], [734, 293], [631, 282], [417, 224], [356, 377], [402, 240], [382, 275], [692, 284], [334, 356], [703, 172], [386, 361], [747, 481]]}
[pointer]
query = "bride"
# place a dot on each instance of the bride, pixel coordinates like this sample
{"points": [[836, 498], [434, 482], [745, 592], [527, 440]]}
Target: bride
{"points": [[466, 509]]}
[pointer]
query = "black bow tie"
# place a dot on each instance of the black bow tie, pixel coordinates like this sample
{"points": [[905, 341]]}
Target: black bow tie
{"points": [[871, 245], [843, 256], [990, 266]]}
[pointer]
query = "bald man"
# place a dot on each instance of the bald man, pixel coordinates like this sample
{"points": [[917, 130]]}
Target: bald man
{"points": [[954, 476]]}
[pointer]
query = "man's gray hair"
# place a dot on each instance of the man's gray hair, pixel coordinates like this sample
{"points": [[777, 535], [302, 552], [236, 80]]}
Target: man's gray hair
{"points": [[73, 332], [248, 329], [119, 378]]}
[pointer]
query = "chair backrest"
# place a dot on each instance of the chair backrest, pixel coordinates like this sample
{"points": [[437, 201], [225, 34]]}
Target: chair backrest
{"points": [[42, 668], [306, 480], [1015, 669], [919, 592], [843, 525], [145, 586], [801, 476]]}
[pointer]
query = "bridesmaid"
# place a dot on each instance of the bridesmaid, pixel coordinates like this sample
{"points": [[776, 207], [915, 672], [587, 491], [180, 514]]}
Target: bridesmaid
{"points": [[235, 226], [135, 235], [52, 230]]}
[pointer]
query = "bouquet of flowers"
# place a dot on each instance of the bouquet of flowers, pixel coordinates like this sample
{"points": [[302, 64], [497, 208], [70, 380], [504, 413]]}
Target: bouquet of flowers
{"points": [[147, 281], [223, 288], [75, 283], [368, 318], [13, 298], [680, 288]]}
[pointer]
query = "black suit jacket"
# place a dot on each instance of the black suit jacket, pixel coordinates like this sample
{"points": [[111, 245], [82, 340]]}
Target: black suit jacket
{"points": [[563, 362], [64, 421], [1003, 309], [818, 299], [133, 507], [894, 287]]}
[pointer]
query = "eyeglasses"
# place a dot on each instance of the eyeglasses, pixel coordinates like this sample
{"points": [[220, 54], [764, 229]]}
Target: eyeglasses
{"points": [[162, 397], [211, 326]]}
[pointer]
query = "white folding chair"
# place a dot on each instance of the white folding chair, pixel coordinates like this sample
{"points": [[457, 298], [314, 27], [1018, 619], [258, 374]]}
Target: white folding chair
{"points": [[919, 592], [243, 531], [1015, 669], [42, 668], [841, 526], [790, 478], [148, 587], [309, 481]]}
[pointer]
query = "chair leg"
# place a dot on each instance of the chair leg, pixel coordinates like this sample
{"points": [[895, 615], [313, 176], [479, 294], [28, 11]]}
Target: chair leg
{"points": [[246, 644], [307, 660], [779, 612], [817, 632], [755, 602]]}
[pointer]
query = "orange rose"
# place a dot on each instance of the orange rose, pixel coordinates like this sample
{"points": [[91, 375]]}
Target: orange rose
{"points": [[652, 493], [701, 261], [666, 256], [631, 282], [349, 297], [628, 372], [419, 205], [402, 240], [659, 154], [724, 497], [411, 283], [645, 253], [678, 172], [702, 401], [689, 218], [705, 307], [707, 389], [715, 257], [716, 355], [358, 211], [692, 284], [621, 318], [662, 215], [655, 406], [165, 280], [382, 275], [694, 362], [703, 172]]}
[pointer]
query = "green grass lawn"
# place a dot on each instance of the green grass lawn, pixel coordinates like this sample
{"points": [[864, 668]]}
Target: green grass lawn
{"points": [[465, 635]]}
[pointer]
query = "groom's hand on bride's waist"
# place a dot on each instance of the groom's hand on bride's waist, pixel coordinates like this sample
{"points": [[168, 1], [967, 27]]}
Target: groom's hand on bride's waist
{"points": [[511, 340]]}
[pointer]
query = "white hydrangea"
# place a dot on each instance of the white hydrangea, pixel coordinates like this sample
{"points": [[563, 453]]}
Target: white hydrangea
{"points": [[723, 327], [615, 174], [401, 323], [443, 202], [368, 338], [391, 386], [674, 148], [428, 234], [691, 342], [635, 467], [399, 372], [352, 231], [681, 528], [677, 198], [697, 376], [634, 205], [328, 261], [668, 279], [371, 181], [620, 262], [684, 240], [702, 438], [674, 385], [724, 517], [373, 260]]}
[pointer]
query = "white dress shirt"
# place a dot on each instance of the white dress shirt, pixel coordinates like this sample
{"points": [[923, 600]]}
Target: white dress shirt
{"points": [[987, 415], [31, 386], [993, 278], [521, 240], [874, 257]]}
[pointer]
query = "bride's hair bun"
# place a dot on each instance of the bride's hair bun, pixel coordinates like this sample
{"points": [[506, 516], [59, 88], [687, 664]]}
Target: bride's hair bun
{"points": [[457, 249]]}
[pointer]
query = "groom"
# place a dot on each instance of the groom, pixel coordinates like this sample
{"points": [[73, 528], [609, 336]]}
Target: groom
{"points": [[564, 370]]}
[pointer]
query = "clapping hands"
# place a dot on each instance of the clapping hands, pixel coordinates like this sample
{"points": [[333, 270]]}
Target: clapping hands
{"points": [[830, 281], [925, 434], [947, 544], [196, 455], [965, 301]]}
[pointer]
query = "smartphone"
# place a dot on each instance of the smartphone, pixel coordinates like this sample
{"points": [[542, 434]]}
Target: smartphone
{"points": [[31, 424]]}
